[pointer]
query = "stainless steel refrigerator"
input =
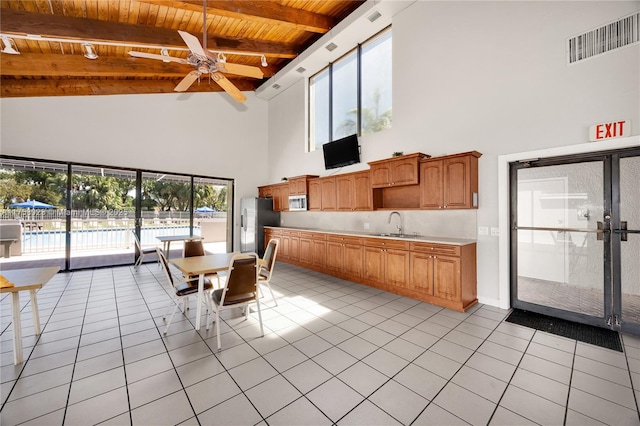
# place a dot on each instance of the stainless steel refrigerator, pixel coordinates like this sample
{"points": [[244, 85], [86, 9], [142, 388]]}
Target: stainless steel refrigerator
{"points": [[256, 213]]}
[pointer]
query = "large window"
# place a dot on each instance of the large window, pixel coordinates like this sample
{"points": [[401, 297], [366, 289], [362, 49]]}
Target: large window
{"points": [[353, 94]]}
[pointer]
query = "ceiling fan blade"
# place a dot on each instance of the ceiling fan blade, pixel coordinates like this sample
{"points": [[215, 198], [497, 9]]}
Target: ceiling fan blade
{"points": [[192, 43], [237, 69], [228, 86], [154, 56], [187, 81]]}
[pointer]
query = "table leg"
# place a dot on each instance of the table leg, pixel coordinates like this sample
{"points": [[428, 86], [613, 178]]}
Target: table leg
{"points": [[199, 307], [167, 247], [17, 328], [34, 312]]}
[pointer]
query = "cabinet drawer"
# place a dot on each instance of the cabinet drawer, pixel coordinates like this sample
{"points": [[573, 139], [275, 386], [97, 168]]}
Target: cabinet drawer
{"points": [[292, 233], [436, 248], [386, 243], [275, 232], [343, 239], [319, 236], [306, 235]]}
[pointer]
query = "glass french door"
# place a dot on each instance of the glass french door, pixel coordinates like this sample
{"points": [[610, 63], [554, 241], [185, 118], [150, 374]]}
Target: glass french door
{"points": [[575, 238]]}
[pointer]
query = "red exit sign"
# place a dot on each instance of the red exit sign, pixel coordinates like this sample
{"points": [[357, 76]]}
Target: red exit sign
{"points": [[615, 129]]}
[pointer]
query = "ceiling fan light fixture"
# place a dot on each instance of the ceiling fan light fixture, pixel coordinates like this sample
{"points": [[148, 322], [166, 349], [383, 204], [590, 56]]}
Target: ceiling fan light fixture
{"points": [[263, 61], [9, 46], [90, 51], [165, 52], [222, 57]]}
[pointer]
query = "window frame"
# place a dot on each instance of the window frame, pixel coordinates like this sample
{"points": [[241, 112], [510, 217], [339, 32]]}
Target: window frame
{"points": [[311, 142]]}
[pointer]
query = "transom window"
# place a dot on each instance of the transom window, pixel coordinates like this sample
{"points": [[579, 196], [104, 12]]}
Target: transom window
{"points": [[353, 94]]}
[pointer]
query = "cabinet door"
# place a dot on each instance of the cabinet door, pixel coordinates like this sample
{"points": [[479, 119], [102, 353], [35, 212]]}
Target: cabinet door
{"points": [[306, 251], [319, 253], [380, 175], [397, 267], [373, 264], [329, 194], [431, 185], [446, 277], [345, 191], [335, 258], [457, 182], [293, 187], [283, 249], [284, 198], [277, 200], [315, 195], [362, 187], [294, 248], [352, 260], [404, 172], [301, 186], [421, 274]]}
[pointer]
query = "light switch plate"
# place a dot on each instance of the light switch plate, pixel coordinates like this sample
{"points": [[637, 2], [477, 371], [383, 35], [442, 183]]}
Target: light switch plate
{"points": [[366, 225], [483, 230], [495, 231]]}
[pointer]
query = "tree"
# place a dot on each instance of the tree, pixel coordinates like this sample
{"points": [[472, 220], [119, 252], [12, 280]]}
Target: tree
{"points": [[372, 120], [12, 191]]}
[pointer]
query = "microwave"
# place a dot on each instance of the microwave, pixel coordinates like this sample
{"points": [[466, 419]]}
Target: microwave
{"points": [[297, 202]]}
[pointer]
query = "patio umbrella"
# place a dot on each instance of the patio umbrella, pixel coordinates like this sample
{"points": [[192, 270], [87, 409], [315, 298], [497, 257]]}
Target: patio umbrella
{"points": [[205, 210], [32, 204]]}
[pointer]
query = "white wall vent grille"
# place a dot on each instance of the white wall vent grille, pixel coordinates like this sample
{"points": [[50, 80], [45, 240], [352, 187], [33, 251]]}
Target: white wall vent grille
{"points": [[612, 36]]}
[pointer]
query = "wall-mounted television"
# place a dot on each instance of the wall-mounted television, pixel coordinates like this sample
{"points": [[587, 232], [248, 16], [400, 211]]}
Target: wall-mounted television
{"points": [[341, 152]]}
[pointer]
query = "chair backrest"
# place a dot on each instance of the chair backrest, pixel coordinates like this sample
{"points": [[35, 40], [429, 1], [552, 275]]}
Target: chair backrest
{"points": [[193, 248], [242, 278], [136, 240], [270, 256], [165, 266]]}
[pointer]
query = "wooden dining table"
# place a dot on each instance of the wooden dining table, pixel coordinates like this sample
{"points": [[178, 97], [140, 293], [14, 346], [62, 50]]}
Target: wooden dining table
{"points": [[25, 280], [202, 265]]}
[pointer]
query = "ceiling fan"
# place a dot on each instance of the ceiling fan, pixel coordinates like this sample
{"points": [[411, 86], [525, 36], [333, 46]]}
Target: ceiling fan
{"points": [[206, 62]]}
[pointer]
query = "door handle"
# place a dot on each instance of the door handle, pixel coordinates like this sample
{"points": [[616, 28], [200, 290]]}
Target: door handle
{"points": [[623, 227], [600, 232]]}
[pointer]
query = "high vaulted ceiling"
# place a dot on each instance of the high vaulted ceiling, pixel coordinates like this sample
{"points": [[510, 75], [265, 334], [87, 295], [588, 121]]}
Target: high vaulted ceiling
{"points": [[50, 34]]}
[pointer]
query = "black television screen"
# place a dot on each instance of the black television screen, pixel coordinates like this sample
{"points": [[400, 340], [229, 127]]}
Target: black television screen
{"points": [[341, 152]]}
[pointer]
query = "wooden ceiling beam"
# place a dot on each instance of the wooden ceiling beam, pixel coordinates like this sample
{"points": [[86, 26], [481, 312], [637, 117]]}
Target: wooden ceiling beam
{"points": [[11, 88], [14, 21], [258, 11], [55, 65]]}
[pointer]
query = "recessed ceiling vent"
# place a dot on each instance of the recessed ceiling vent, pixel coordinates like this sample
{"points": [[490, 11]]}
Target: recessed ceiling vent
{"points": [[331, 47], [373, 16], [301, 69], [604, 39], [276, 86]]}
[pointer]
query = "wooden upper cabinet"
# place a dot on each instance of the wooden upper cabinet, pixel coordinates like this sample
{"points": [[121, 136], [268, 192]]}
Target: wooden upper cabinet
{"points": [[299, 185], [431, 184], [362, 200], [396, 171], [315, 195], [345, 192], [265, 191], [450, 182], [328, 186]]}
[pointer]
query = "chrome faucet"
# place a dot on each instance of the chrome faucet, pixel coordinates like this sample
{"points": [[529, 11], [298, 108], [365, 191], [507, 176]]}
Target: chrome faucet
{"points": [[399, 227]]}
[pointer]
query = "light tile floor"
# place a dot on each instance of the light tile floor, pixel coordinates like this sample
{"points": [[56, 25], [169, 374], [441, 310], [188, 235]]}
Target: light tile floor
{"points": [[334, 352]]}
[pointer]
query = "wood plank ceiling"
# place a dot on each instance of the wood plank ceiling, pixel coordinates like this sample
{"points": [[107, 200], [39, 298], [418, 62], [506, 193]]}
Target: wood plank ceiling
{"points": [[49, 34]]}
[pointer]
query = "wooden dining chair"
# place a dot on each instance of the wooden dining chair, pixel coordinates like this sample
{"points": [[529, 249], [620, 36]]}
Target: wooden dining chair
{"points": [[266, 270], [181, 288], [196, 248], [240, 289], [141, 250]]}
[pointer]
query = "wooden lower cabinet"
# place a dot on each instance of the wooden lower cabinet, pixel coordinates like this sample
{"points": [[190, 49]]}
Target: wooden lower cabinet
{"points": [[441, 274], [386, 263], [444, 275]]}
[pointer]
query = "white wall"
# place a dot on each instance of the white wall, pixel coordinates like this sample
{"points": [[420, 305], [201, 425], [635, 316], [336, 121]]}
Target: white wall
{"points": [[485, 76], [201, 133]]}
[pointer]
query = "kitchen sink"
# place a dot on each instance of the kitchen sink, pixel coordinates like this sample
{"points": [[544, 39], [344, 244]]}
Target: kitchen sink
{"points": [[396, 235]]}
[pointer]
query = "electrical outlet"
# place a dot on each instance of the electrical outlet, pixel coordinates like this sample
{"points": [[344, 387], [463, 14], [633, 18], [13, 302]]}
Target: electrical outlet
{"points": [[483, 230], [366, 226], [495, 231]]}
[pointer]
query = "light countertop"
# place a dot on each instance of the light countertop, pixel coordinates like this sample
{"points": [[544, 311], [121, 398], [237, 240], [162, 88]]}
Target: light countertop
{"points": [[408, 237]]}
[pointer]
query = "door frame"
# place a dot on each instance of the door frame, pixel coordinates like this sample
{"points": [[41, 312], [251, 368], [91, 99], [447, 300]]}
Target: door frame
{"points": [[504, 245]]}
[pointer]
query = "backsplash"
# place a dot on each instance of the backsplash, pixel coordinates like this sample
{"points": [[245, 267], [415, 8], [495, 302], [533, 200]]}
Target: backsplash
{"points": [[434, 223]]}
